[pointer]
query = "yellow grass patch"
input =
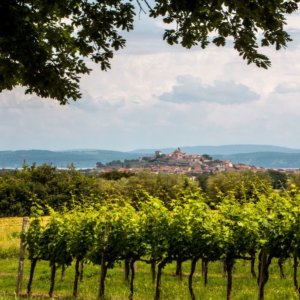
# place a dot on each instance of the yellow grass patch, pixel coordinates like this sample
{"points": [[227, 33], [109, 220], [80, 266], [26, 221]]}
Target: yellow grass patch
{"points": [[9, 232], [10, 229]]}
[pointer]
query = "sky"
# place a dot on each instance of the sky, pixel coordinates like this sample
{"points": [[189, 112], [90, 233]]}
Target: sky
{"points": [[158, 96]]}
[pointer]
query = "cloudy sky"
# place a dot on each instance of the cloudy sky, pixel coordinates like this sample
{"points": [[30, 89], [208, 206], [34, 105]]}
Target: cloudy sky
{"points": [[158, 96]]}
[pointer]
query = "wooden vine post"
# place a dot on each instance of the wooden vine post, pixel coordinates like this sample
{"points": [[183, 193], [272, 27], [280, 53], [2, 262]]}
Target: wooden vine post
{"points": [[21, 257]]}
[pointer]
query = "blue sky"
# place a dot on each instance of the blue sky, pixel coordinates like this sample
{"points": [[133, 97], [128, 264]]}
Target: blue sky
{"points": [[158, 96]]}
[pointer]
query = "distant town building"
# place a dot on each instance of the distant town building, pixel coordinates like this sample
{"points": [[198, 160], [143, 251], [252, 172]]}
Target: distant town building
{"points": [[175, 162]]}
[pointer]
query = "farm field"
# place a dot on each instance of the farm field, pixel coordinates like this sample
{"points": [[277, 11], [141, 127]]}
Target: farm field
{"points": [[244, 286]]}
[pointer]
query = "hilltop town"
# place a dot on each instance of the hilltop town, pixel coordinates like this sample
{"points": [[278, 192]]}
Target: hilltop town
{"points": [[175, 162]]}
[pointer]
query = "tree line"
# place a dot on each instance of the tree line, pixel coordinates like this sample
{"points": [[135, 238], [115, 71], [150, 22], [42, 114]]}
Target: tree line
{"points": [[43, 187]]}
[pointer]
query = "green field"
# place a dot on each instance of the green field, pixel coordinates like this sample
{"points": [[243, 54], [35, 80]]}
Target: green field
{"points": [[244, 286]]}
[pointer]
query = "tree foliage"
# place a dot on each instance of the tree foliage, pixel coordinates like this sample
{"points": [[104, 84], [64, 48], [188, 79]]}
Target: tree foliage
{"points": [[240, 20], [22, 191], [37, 188], [44, 44], [244, 186]]}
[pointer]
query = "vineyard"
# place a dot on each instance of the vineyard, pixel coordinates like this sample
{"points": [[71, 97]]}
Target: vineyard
{"points": [[189, 231]]}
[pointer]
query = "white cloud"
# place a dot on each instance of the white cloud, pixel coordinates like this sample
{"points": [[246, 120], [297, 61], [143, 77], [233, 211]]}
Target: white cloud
{"points": [[288, 87], [190, 89]]}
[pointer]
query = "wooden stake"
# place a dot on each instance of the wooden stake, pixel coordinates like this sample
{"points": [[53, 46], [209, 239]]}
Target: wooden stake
{"points": [[21, 258]]}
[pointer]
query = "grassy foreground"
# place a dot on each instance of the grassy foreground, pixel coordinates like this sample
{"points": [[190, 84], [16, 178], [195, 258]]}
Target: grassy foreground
{"points": [[244, 286]]}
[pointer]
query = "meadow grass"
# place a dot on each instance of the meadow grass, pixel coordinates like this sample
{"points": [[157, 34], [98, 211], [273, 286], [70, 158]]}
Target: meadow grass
{"points": [[244, 286]]}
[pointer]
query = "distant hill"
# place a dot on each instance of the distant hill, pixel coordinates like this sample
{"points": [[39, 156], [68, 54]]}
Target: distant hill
{"points": [[224, 149], [257, 155], [61, 159], [265, 159]]}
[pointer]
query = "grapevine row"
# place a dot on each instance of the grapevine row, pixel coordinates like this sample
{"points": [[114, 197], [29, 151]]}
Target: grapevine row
{"points": [[188, 230]]}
